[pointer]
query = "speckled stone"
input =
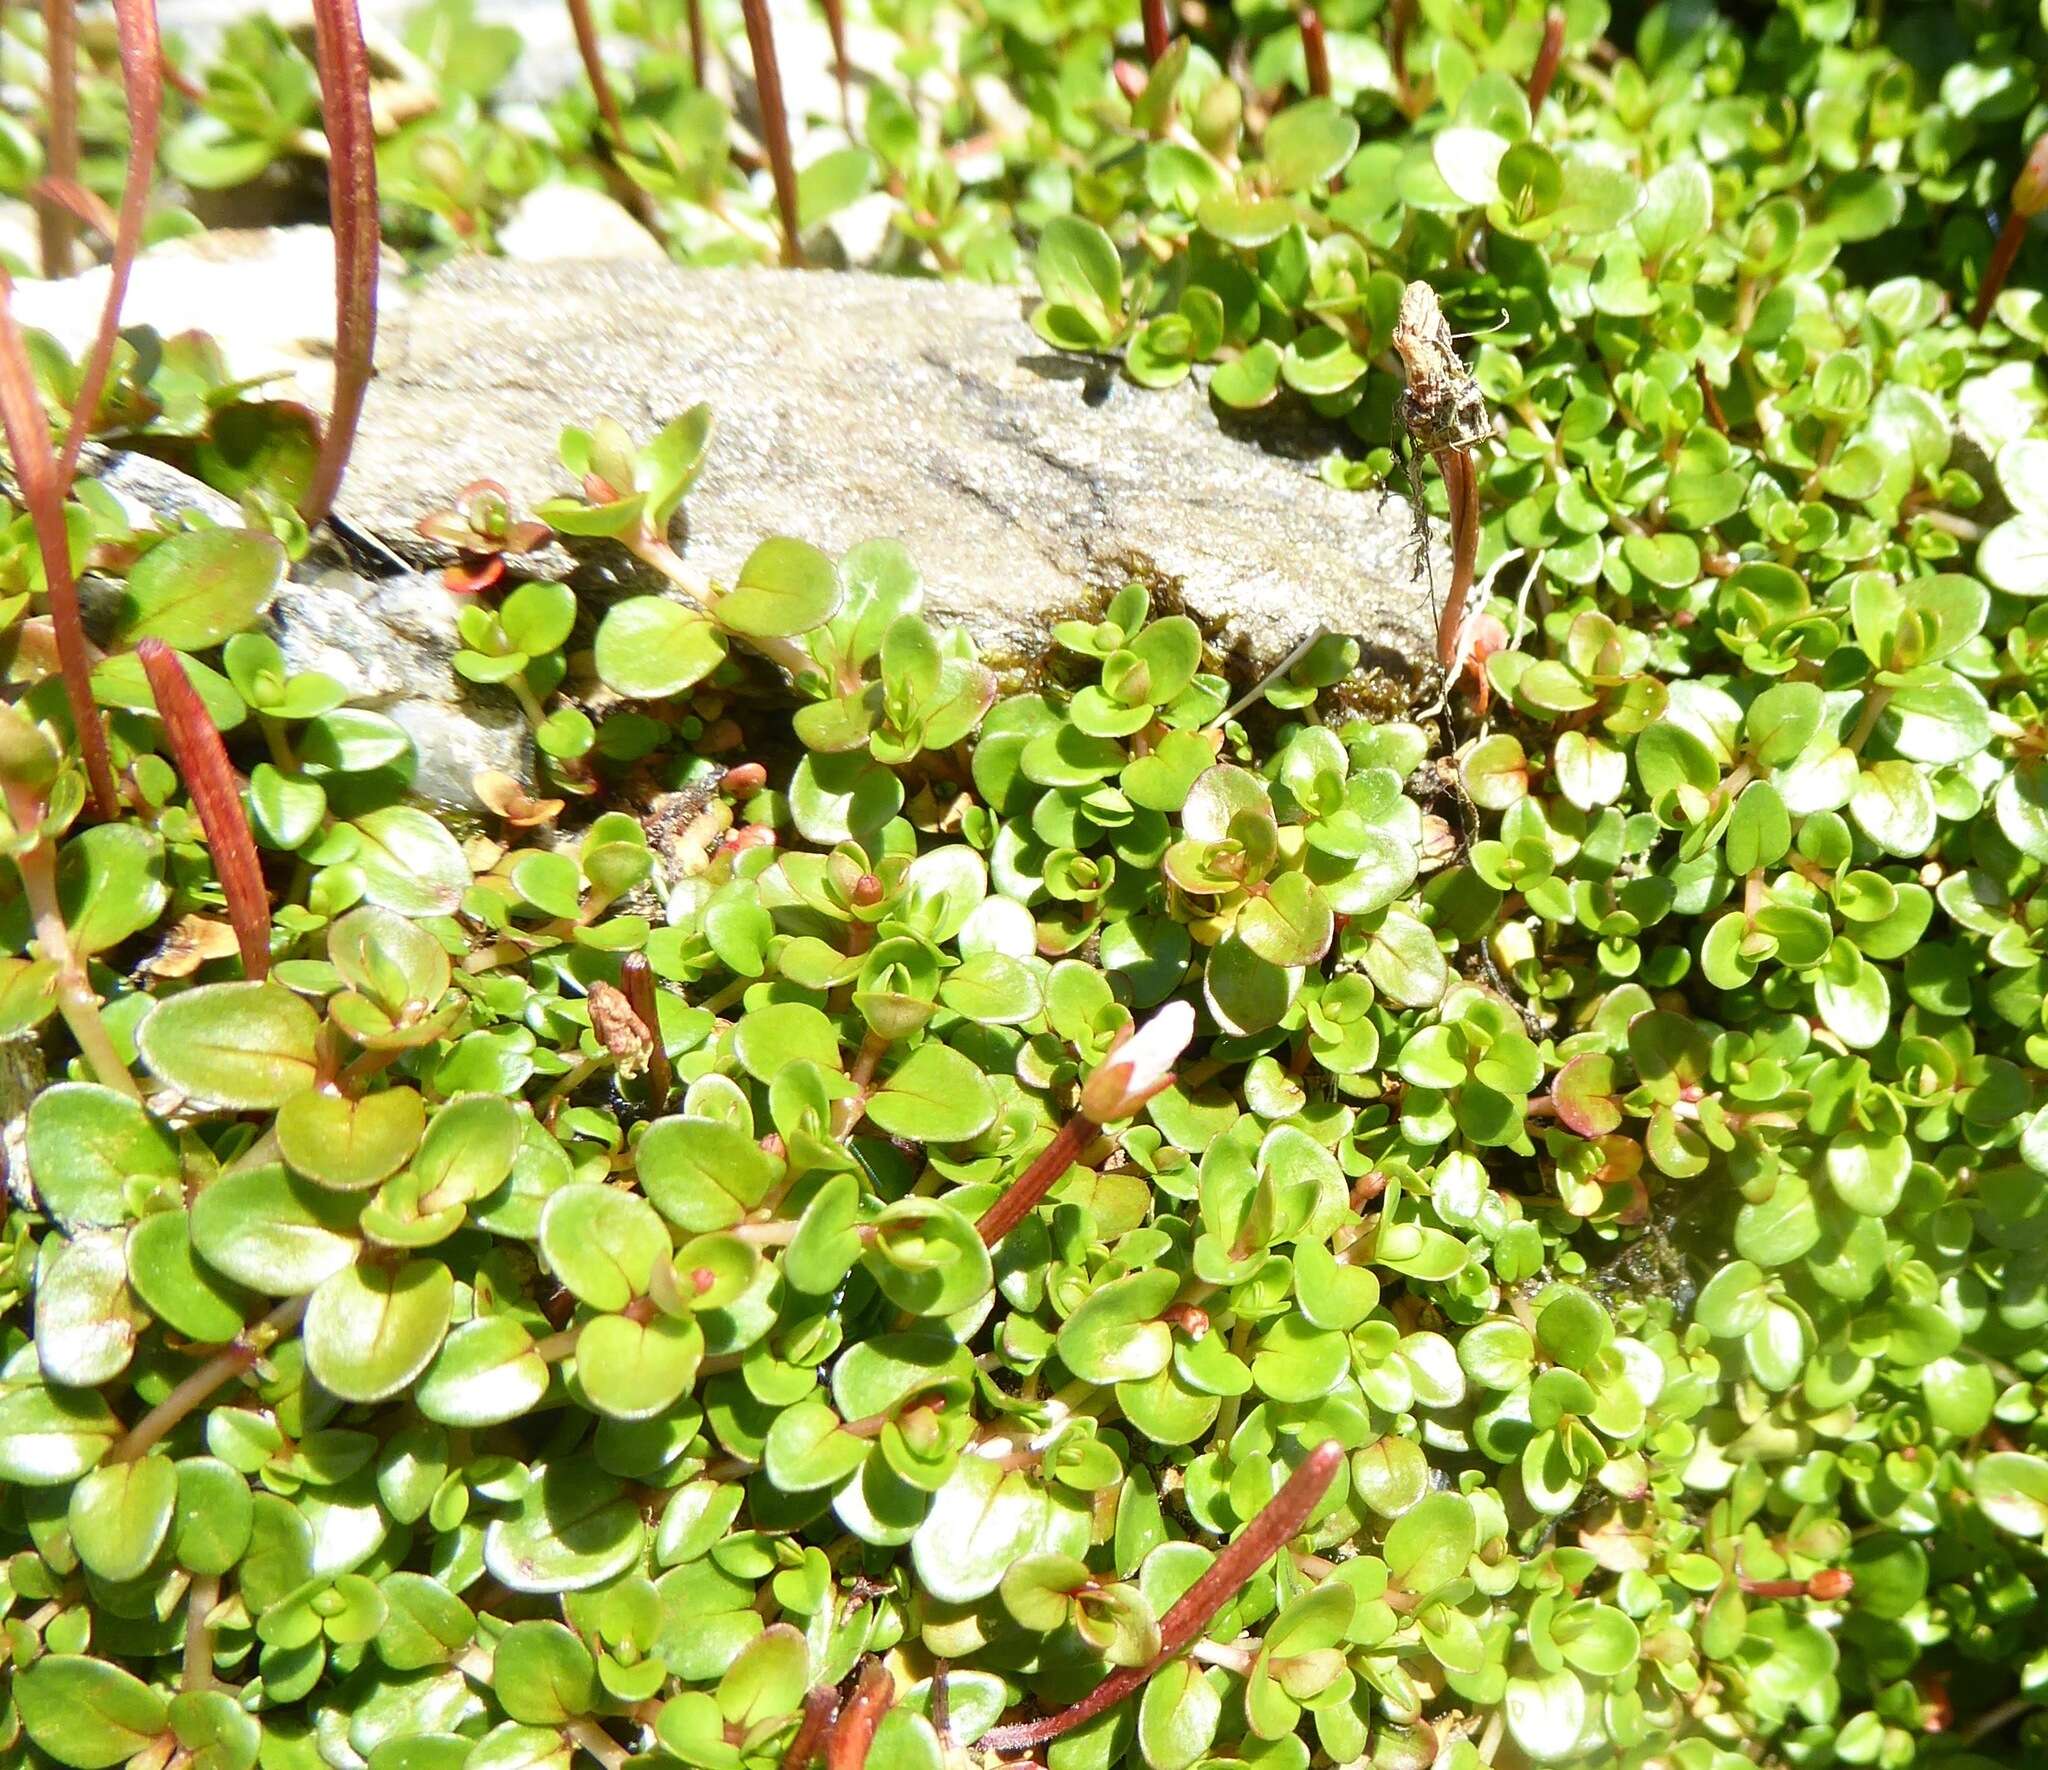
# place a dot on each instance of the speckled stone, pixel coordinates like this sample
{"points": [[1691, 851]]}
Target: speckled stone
{"points": [[850, 406]]}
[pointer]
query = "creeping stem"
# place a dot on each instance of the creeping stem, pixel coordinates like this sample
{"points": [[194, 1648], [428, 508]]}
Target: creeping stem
{"points": [[1023, 1193], [222, 1367], [1280, 1521]]}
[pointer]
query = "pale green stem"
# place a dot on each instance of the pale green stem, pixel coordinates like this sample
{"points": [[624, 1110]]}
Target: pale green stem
{"points": [[75, 998], [654, 551]]}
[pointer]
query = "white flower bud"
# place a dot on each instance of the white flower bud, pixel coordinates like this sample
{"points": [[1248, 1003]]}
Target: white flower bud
{"points": [[1140, 1067]]}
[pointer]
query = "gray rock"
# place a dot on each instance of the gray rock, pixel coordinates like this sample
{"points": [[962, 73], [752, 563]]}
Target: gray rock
{"points": [[390, 643], [153, 491], [266, 294], [1025, 483], [561, 220], [456, 739], [851, 406], [152, 494]]}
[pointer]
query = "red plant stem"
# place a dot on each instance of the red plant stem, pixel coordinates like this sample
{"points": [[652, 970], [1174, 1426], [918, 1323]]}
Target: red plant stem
{"points": [[594, 71], [774, 121], [1158, 32], [352, 208], [1708, 398], [1461, 484], [1036, 1181], [2010, 238], [85, 206], [1545, 71], [179, 81], [35, 469], [835, 22], [695, 10], [223, 1367], [209, 778], [1276, 1525], [2029, 199], [637, 976], [1315, 51], [1400, 18], [60, 38], [821, 1702], [142, 84], [846, 1748]]}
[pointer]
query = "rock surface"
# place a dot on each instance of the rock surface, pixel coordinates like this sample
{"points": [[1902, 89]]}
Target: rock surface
{"points": [[1025, 483], [557, 221], [853, 406], [390, 643], [267, 295]]}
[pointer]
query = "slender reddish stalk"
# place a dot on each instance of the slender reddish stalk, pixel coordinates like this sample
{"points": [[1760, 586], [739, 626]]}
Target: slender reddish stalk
{"points": [[1400, 19], [209, 778], [2029, 199], [35, 468], [352, 209], [1545, 71], [1461, 485], [695, 11], [179, 81], [223, 1367], [2010, 237], [1036, 1181], [821, 1702], [142, 84], [1263, 1538], [774, 121], [835, 22], [846, 1748], [637, 976], [1158, 31], [594, 71], [610, 115], [60, 39], [84, 206], [1315, 51]]}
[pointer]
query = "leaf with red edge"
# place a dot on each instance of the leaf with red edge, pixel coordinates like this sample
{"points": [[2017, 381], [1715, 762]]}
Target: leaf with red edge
{"points": [[1585, 1092]]}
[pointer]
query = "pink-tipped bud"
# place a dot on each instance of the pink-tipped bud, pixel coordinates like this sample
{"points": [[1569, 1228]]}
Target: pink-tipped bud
{"points": [[1139, 1066], [2030, 189]]}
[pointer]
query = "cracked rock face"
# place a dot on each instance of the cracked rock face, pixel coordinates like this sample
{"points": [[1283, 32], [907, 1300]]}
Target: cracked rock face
{"points": [[389, 643], [1026, 484], [851, 406]]}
